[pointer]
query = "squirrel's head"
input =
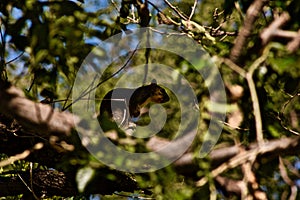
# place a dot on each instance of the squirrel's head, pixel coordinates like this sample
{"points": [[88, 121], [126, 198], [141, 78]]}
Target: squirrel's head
{"points": [[158, 94]]}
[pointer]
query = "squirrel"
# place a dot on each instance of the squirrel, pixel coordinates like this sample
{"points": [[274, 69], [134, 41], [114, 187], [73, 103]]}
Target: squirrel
{"points": [[122, 105]]}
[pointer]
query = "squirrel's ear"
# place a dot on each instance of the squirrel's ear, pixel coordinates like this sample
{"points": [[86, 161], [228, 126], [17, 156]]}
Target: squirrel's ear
{"points": [[153, 81]]}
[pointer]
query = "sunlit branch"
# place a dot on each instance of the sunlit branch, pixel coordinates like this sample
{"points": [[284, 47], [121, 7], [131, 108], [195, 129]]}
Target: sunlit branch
{"points": [[177, 11], [193, 9]]}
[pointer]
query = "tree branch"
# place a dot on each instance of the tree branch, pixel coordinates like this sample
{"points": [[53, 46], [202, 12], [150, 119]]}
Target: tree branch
{"points": [[20, 156], [231, 186], [294, 45], [248, 75], [276, 147], [177, 11], [40, 118], [286, 178], [272, 30], [251, 16], [193, 9]]}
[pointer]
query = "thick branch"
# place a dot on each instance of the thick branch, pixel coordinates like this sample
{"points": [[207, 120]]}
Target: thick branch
{"points": [[272, 30], [294, 45], [276, 147], [231, 186], [232, 156], [251, 16], [40, 118]]}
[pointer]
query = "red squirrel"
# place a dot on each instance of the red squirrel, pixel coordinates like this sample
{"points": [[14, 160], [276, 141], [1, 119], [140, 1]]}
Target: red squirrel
{"points": [[121, 105]]}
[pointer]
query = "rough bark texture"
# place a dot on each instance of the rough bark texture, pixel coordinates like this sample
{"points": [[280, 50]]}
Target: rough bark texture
{"points": [[252, 15], [38, 117]]}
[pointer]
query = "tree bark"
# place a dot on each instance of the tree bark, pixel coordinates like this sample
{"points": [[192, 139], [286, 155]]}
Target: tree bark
{"points": [[40, 118]]}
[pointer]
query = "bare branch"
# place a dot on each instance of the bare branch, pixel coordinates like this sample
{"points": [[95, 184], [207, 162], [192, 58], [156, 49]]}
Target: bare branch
{"points": [[177, 11], [287, 179], [16, 58], [250, 180], [193, 9], [90, 89], [256, 109], [249, 77], [234, 67], [20, 156], [283, 110], [294, 45], [251, 16], [231, 186], [272, 30], [40, 118], [277, 147]]}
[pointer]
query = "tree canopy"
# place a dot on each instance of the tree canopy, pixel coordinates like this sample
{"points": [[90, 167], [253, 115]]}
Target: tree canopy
{"points": [[231, 70]]}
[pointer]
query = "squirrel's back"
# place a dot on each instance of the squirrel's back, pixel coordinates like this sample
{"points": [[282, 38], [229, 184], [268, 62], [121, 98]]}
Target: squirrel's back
{"points": [[121, 104]]}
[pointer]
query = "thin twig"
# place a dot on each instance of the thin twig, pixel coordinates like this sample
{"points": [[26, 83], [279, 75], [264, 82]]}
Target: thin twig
{"points": [[16, 58], [31, 181], [178, 12], [24, 182], [2, 56], [115, 5], [253, 93], [234, 67], [254, 97], [217, 32], [251, 154], [193, 9], [167, 33], [256, 109], [103, 81], [282, 111], [287, 179], [26, 185], [69, 94], [20, 156], [232, 163], [15, 158], [234, 127], [154, 6]]}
